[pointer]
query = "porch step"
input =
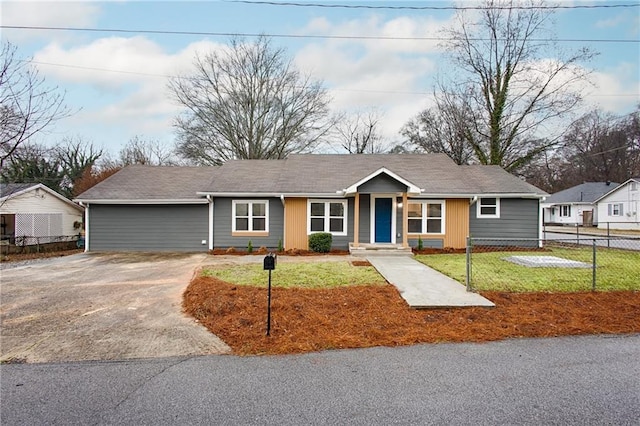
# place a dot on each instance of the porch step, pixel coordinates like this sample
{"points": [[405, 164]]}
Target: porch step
{"points": [[366, 250]]}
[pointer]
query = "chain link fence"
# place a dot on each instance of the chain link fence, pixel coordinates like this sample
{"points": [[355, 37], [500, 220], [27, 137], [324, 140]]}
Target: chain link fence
{"points": [[553, 265]]}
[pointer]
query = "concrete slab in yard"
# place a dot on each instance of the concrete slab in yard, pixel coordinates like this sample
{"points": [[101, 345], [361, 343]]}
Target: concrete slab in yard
{"points": [[546, 262], [423, 287]]}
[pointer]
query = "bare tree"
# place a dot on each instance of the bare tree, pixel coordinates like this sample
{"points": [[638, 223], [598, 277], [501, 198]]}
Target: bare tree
{"points": [[603, 147], [440, 129], [507, 87], [247, 102], [360, 133], [27, 104], [146, 151]]}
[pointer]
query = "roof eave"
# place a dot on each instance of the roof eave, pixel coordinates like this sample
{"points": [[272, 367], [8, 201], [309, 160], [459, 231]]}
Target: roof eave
{"points": [[142, 201]]}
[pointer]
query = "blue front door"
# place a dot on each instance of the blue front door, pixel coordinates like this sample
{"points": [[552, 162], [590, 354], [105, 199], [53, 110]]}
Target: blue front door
{"points": [[383, 214]]}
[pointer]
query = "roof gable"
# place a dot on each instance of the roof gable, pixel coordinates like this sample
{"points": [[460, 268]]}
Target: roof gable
{"points": [[622, 185], [587, 192], [383, 171], [13, 190]]}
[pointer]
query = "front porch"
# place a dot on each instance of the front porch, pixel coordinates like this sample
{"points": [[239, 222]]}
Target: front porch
{"points": [[379, 249]]}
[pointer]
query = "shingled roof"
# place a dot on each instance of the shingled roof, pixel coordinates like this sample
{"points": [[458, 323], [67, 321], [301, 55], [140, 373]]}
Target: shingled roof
{"points": [[434, 174], [151, 183], [328, 173], [587, 192], [8, 189]]}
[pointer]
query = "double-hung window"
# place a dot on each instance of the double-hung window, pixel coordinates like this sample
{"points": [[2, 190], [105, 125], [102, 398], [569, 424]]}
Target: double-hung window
{"points": [[425, 217], [615, 209], [565, 211], [250, 216], [328, 216], [488, 208]]}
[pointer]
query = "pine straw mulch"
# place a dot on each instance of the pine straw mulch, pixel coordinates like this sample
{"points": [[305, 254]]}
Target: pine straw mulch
{"points": [[306, 320]]}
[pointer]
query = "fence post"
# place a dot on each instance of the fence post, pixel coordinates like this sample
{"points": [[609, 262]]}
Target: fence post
{"points": [[608, 236], [577, 234], [468, 255], [593, 274]]}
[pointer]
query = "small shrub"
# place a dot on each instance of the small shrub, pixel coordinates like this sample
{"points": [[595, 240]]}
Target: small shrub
{"points": [[250, 247], [420, 244], [280, 246], [262, 250], [231, 250], [320, 242]]}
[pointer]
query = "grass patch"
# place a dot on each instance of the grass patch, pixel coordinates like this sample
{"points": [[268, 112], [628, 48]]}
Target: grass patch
{"points": [[616, 270], [311, 275]]}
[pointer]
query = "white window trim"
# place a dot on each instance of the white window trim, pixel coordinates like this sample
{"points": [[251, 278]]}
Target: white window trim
{"points": [[424, 218], [372, 216], [479, 215], [250, 202], [345, 204], [562, 208], [613, 207]]}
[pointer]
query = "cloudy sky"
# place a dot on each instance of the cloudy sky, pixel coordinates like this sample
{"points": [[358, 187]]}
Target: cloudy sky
{"points": [[115, 81]]}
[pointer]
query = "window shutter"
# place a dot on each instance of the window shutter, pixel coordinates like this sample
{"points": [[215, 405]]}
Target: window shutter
{"points": [[621, 209], [609, 209]]}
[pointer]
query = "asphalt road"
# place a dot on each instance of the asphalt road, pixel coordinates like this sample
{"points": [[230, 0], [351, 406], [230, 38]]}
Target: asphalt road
{"points": [[573, 380], [626, 243]]}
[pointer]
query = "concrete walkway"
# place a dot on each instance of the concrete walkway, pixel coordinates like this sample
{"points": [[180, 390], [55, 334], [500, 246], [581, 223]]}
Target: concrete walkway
{"points": [[423, 287]]}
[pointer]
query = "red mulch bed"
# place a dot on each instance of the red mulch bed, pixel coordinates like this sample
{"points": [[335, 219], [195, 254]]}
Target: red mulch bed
{"points": [[357, 317]]}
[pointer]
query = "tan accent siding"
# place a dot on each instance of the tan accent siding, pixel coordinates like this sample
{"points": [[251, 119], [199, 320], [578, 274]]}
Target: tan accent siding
{"points": [[457, 223], [405, 220], [249, 234], [295, 231]]}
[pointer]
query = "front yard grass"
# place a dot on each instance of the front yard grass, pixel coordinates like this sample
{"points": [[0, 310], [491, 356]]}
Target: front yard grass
{"points": [[616, 270], [299, 275]]}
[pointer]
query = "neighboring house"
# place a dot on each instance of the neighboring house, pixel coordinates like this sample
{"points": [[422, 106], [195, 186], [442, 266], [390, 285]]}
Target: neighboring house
{"points": [[32, 213], [620, 207], [360, 199], [576, 205]]}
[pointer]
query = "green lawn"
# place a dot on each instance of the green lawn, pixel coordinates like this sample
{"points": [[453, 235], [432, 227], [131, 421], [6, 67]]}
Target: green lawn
{"points": [[301, 275], [616, 270]]}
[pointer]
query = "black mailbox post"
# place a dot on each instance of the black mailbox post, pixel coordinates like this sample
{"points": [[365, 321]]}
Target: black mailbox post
{"points": [[269, 264]]}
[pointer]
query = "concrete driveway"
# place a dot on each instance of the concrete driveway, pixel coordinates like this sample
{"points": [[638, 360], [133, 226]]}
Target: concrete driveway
{"points": [[100, 307]]}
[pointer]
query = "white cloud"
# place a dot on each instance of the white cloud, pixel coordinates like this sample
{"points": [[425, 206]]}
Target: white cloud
{"points": [[46, 14], [392, 75], [616, 90], [122, 82]]}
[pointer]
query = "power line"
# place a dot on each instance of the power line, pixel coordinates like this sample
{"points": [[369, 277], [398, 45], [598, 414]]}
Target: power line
{"points": [[362, 6], [299, 36], [390, 92]]}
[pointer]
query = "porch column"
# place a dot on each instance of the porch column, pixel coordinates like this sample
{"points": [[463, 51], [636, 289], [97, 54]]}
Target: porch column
{"points": [[405, 220], [356, 220]]}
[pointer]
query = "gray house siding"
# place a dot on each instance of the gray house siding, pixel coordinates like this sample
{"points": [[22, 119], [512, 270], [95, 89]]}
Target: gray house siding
{"points": [[519, 218], [222, 225], [382, 183], [341, 242], [364, 233], [148, 227]]}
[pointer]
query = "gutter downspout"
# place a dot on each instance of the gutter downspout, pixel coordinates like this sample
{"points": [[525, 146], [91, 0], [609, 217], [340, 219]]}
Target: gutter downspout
{"points": [[210, 221]]}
